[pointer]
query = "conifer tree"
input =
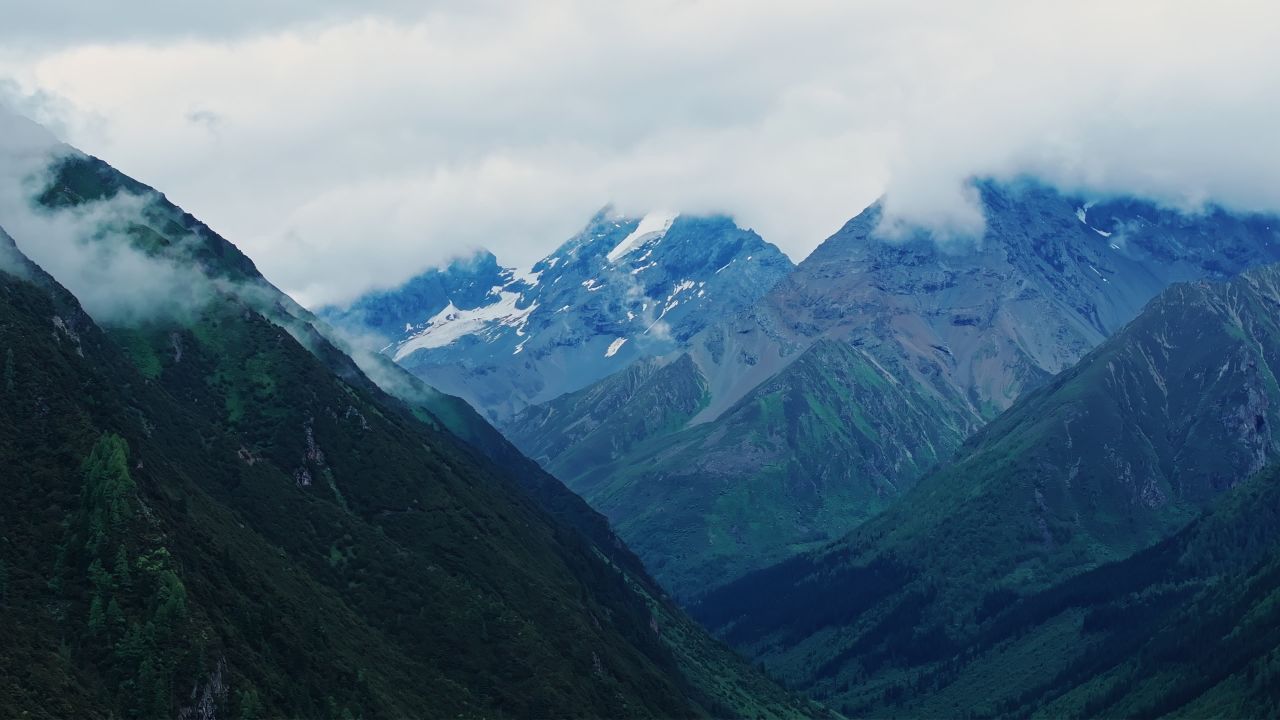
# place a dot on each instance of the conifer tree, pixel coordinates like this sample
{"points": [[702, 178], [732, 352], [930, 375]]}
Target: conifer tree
{"points": [[97, 615]]}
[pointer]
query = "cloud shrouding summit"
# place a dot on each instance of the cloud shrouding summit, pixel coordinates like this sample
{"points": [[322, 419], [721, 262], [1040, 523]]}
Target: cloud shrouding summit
{"points": [[345, 151]]}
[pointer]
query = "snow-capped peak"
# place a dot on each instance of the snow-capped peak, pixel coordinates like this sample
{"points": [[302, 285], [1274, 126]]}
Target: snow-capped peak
{"points": [[652, 227]]}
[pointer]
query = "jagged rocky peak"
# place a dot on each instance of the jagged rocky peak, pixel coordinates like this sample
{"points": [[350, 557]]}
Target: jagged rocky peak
{"points": [[620, 289], [983, 319]]}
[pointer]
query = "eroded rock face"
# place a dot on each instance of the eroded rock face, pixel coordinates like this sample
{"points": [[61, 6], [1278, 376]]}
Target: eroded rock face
{"points": [[207, 696]]}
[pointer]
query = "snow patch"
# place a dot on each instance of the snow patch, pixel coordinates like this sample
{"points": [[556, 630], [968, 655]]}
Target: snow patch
{"points": [[529, 277], [1082, 214], [652, 227], [684, 285], [451, 324]]}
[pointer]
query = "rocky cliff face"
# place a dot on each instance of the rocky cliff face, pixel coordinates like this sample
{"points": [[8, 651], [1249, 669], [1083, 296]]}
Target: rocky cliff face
{"points": [[981, 320], [620, 290]]}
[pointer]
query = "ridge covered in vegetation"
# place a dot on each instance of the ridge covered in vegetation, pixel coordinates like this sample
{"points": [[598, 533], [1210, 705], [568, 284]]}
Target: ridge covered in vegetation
{"points": [[219, 512]]}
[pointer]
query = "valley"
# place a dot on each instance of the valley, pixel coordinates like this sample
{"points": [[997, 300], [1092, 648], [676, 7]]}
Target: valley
{"points": [[639, 360]]}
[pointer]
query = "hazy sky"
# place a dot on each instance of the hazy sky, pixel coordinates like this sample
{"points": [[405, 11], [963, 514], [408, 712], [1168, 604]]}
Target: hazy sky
{"points": [[346, 149]]}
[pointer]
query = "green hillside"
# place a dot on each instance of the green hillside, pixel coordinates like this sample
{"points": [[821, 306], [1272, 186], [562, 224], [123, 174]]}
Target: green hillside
{"points": [[705, 504], [1108, 459]]}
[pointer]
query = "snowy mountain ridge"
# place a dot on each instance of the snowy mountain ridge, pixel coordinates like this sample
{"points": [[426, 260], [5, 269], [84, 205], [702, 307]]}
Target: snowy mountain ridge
{"points": [[621, 289]]}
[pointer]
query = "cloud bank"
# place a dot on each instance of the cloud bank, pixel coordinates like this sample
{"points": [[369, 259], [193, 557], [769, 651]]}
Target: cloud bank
{"points": [[349, 150], [87, 249]]}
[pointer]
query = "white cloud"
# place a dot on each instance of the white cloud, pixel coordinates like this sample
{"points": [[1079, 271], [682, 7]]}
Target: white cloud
{"points": [[87, 248], [343, 151]]}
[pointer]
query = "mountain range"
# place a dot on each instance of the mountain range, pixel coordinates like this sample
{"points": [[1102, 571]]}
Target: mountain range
{"points": [[622, 289], [1031, 472], [788, 424], [930, 476]]}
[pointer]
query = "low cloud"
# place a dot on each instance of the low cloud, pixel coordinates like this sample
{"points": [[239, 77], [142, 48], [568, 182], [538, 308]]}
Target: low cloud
{"points": [[88, 248], [354, 149]]}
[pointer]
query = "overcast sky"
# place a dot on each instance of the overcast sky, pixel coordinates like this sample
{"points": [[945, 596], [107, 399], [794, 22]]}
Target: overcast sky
{"points": [[347, 149]]}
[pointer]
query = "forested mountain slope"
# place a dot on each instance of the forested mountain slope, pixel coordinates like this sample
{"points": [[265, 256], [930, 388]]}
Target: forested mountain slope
{"points": [[1109, 458], [216, 510]]}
